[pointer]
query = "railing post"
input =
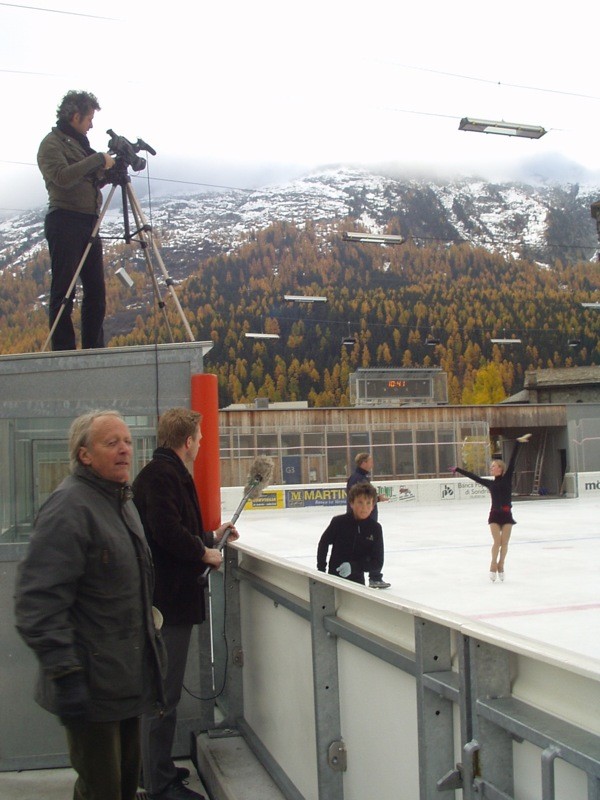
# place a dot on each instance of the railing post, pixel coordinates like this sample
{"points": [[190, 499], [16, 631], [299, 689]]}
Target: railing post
{"points": [[464, 644], [490, 671], [331, 755], [227, 640], [434, 712]]}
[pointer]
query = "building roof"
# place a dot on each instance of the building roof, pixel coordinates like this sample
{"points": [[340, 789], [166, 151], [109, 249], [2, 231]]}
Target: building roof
{"points": [[561, 376]]}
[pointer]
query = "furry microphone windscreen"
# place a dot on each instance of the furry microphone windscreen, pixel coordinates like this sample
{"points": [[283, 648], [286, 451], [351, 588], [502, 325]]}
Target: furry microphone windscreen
{"points": [[260, 475]]}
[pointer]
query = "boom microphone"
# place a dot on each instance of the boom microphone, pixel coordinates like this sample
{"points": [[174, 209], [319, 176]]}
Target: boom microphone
{"points": [[259, 477]]}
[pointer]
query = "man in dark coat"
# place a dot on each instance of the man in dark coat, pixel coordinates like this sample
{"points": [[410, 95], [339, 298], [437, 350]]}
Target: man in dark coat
{"points": [[165, 495], [84, 604]]}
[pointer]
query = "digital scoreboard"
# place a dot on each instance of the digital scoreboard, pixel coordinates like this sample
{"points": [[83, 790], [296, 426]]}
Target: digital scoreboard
{"points": [[398, 386]]}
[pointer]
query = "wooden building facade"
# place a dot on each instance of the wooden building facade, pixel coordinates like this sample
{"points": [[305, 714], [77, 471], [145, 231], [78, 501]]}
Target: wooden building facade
{"points": [[318, 445]]}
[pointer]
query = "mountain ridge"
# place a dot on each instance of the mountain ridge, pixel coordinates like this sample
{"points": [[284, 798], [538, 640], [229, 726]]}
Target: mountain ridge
{"points": [[543, 223]]}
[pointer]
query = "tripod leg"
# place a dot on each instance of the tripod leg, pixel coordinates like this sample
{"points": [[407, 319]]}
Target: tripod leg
{"points": [[141, 232], [71, 289], [143, 228]]}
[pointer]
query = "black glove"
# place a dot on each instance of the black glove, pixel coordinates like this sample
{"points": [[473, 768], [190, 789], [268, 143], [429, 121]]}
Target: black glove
{"points": [[72, 697]]}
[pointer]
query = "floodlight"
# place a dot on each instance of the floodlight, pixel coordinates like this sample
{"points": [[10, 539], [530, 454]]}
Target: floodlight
{"points": [[502, 128], [373, 238], [262, 335], [304, 298], [505, 341], [124, 277]]}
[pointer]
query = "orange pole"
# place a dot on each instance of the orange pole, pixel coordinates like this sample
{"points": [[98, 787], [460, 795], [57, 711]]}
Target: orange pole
{"points": [[207, 467]]}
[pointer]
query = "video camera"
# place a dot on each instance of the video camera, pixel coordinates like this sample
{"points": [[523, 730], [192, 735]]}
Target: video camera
{"points": [[127, 151]]}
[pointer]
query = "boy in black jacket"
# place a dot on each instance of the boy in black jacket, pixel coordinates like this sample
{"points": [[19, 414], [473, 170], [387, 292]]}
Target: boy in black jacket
{"points": [[356, 541]]}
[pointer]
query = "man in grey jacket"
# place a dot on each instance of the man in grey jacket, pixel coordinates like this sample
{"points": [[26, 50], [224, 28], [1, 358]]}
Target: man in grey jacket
{"points": [[73, 174], [84, 605]]}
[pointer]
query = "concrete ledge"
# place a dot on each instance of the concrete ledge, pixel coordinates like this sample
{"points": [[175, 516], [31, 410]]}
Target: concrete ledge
{"points": [[231, 771]]}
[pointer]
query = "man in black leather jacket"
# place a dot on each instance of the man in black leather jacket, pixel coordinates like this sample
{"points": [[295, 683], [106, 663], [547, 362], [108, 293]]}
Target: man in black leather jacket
{"points": [[165, 495]]}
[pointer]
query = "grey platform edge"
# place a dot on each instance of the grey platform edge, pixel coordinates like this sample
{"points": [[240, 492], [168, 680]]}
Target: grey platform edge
{"points": [[231, 771]]}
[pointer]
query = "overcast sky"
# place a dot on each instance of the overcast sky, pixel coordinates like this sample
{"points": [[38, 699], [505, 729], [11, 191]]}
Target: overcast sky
{"points": [[249, 92]]}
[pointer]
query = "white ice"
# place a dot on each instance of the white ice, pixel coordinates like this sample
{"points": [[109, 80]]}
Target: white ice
{"points": [[439, 555]]}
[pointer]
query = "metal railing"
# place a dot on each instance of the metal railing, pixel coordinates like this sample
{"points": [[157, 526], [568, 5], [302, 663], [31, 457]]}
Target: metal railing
{"points": [[343, 694]]}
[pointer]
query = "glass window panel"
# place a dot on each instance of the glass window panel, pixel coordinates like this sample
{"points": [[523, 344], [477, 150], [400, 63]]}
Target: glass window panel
{"points": [[337, 456], [290, 444], [446, 450], [267, 444], [404, 454], [244, 443], [426, 466], [383, 465], [225, 446], [314, 443], [7, 513]]}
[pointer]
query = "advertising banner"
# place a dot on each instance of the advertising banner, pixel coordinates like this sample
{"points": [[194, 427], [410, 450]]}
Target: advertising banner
{"points": [[268, 499], [301, 498], [588, 483], [399, 493]]}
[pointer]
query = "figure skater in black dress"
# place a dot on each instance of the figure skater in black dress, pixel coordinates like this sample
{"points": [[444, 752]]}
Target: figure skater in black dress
{"points": [[500, 518]]}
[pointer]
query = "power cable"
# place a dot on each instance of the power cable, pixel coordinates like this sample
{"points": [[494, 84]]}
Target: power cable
{"points": [[225, 644], [57, 11], [493, 82]]}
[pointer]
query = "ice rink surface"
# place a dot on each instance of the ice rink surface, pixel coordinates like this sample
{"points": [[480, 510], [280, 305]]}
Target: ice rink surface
{"points": [[438, 555]]}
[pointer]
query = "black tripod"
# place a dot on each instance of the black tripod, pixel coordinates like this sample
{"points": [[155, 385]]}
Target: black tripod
{"points": [[121, 178]]}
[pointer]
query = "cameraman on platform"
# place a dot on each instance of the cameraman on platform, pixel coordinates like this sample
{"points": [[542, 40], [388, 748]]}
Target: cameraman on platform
{"points": [[74, 174]]}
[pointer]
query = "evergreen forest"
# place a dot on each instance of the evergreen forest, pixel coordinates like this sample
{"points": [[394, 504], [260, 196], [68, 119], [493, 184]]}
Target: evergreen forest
{"points": [[383, 304]]}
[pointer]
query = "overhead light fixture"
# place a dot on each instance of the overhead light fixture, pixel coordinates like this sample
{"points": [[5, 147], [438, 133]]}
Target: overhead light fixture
{"points": [[373, 238], [349, 341], [431, 341], [304, 298], [502, 128], [262, 335], [574, 342], [591, 305], [505, 341], [124, 277]]}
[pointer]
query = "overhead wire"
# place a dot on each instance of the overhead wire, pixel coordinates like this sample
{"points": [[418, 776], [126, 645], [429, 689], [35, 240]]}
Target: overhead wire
{"points": [[419, 68], [57, 11], [494, 82]]}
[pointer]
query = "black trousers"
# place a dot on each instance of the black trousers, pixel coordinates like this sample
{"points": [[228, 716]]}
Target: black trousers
{"points": [[68, 234], [106, 757], [158, 732]]}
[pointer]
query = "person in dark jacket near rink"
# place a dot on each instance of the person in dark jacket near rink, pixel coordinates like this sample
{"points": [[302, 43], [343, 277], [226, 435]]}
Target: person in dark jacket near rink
{"points": [[84, 605], [362, 474], [165, 495], [500, 518], [356, 540]]}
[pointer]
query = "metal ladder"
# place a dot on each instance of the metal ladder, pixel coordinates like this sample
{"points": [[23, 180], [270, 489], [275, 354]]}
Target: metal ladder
{"points": [[539, 462]]}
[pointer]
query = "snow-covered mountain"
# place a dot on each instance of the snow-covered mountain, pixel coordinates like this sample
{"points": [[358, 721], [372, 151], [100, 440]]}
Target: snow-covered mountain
{"points": [[543, 222]]}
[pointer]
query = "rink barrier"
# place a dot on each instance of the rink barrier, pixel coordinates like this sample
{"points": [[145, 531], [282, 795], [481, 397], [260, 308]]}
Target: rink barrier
{"points": [[588, 484], [427, 491], [343, 692]]}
